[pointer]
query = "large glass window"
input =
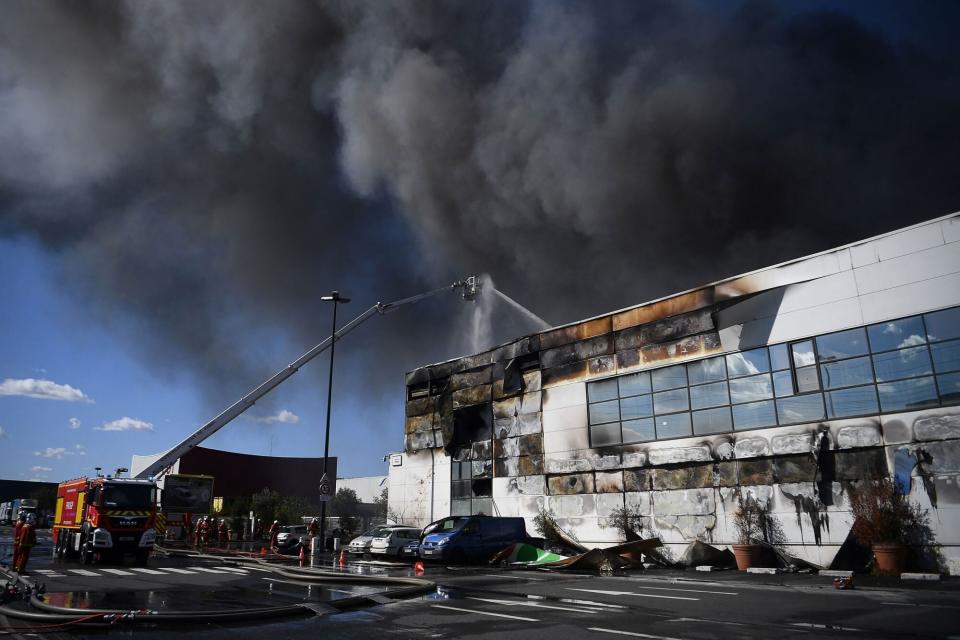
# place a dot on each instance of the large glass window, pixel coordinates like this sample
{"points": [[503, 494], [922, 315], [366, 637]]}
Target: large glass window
{"points": [[843, 344], [674, 425], [906, 363], [943, 325], [748, 362], [670, 401], [906, 395], [709, 395], [855, 401], [898, 334], [754, 415], [751, 389], [670, 377], [846, 373], [894, 366]]}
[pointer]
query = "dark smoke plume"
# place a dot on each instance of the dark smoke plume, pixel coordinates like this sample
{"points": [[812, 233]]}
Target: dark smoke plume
{"points": [[206, 170]]}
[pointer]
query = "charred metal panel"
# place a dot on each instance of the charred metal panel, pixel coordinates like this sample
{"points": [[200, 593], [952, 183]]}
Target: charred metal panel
{"points": [[692, 476], [676, 327], [531, 445], [725, 474], [856, 436], [506, 448], [637, 479], [506, 427], [664, 308], [418, 440], [581, 331], [574, 483], [481, 450], [516, 349], [577, 351], [507, 467], [802, 468], [470, 379], [861, 465], [684, 502], [602, 366], [756, 472], [608, 481], [507, 408], [420, 406], [421, 423], [944, 457], [674, 455], [628, 359], [942, 427], [562, 375], [471, 396], [530, 465], [684, 349]]}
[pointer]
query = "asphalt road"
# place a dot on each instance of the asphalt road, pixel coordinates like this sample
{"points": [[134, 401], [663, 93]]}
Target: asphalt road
{"points": [[493, 603]]}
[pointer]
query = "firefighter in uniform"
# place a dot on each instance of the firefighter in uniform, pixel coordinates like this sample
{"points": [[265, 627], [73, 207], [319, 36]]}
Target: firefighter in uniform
{"points": [[26, 540], [197, 530], [224, 536], [274, 532], [313, 529], [21, 520], [258, 530]]}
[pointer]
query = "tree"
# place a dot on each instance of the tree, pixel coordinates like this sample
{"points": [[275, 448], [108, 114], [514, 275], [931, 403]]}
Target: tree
{"points": [[381, 503], [346, 505]]}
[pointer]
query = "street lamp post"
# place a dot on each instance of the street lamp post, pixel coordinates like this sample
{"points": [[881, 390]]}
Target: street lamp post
{"points": [[336, 299]]}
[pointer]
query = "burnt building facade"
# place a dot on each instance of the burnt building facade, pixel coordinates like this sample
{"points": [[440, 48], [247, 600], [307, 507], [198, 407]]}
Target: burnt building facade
{"points": [[785, 386]]}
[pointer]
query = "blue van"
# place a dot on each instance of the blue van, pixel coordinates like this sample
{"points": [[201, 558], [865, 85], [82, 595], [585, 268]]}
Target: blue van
{"points": [[461, 539]]}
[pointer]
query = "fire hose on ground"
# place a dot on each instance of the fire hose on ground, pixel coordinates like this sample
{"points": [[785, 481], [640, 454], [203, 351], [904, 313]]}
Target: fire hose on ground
{"points": [[47, 614]]}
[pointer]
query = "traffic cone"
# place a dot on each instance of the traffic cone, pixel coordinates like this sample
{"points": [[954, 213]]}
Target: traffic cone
{"points": [[343, 558], [303, 555], [418, 567]]}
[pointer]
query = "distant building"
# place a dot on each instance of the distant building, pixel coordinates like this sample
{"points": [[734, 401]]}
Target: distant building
{"points": [[243, 474], [783, 386], [367, 488]]}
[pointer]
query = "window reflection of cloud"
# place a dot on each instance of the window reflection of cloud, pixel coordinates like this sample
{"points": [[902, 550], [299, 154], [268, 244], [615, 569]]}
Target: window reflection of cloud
{"points": [[892, 328], [911, 341], [804, 358]]}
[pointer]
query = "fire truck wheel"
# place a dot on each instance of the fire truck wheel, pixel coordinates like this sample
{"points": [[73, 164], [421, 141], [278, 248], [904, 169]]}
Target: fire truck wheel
{"points": [[86, 553]]}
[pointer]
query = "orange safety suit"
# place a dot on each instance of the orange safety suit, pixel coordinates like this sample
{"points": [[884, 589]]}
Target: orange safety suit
{"points": [[16, 542], [26, 540], [224, 535]]}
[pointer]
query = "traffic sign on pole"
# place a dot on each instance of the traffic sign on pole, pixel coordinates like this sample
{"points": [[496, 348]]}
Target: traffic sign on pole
{"points": [[326, 490]]}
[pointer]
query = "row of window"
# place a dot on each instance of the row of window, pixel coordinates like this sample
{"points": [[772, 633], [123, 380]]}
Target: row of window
{"points": [[905, 364]]}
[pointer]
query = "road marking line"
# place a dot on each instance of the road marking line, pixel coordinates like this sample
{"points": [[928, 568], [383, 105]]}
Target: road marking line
{"points": [[178, 570], [118, 572], [829, 627], [519, 603], [234, 569], [631, 633], [736, 624], [209, 570], [152, 572], [719, 593], [630, 593], [593, 603], [484, 613], [917, 604], [258, 568], [84, 572], [48, 573]]}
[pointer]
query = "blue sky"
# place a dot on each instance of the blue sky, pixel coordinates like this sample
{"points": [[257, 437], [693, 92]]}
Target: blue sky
{"points": [[47, 334]]}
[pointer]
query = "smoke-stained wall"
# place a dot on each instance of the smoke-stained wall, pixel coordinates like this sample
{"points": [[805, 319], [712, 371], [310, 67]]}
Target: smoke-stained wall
{"points": [[517, 416]]}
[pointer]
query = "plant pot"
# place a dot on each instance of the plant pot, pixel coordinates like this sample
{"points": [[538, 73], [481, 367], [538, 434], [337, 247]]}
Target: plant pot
{"points": [[747, 555], [890, 558]]}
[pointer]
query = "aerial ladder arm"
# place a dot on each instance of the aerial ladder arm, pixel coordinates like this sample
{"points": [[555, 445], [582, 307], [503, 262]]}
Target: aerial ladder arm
{"points": [[470, 286]]}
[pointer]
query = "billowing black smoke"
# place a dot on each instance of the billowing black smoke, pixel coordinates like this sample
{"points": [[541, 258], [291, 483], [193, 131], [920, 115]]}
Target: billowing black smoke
{"points": [[206, 170]]}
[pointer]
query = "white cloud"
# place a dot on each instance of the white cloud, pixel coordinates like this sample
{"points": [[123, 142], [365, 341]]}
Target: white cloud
{"points": [[44, 389], [74, 423], [81, 450], [53, 452], [911, 341], [39, 469], [287, 417], [126, 424], [3, 433], [38, 479]]}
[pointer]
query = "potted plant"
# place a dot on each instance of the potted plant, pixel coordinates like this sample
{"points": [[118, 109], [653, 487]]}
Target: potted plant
{"points": [[886, 521], [748, 521]]}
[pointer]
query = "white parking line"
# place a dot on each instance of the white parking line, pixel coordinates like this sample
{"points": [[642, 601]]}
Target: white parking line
{"points": [[209, 570], [631, 593], [49, 573], [234, 569], [152, 572], [83, 572], [484, 613], [631, 633], [536, 605], [719, 593], [117, 572], [179, 570]]}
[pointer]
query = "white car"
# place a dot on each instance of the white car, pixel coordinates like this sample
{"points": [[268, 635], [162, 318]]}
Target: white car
{"points": [[361, 544], [390, 540]]}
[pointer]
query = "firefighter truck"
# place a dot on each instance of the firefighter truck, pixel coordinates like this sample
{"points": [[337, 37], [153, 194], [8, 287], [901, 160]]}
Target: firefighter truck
{"points": [[103, 517]]}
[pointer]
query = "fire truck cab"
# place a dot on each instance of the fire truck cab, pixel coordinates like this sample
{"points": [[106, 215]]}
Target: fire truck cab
{"points": [[104, 516]]}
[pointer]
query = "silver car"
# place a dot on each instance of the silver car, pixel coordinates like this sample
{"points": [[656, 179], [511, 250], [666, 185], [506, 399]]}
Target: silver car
{"points": [[392, 539], [361, 544]]}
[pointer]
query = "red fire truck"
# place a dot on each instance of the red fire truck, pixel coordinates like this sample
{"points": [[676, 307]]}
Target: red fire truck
{"points": [[104, 516]]}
